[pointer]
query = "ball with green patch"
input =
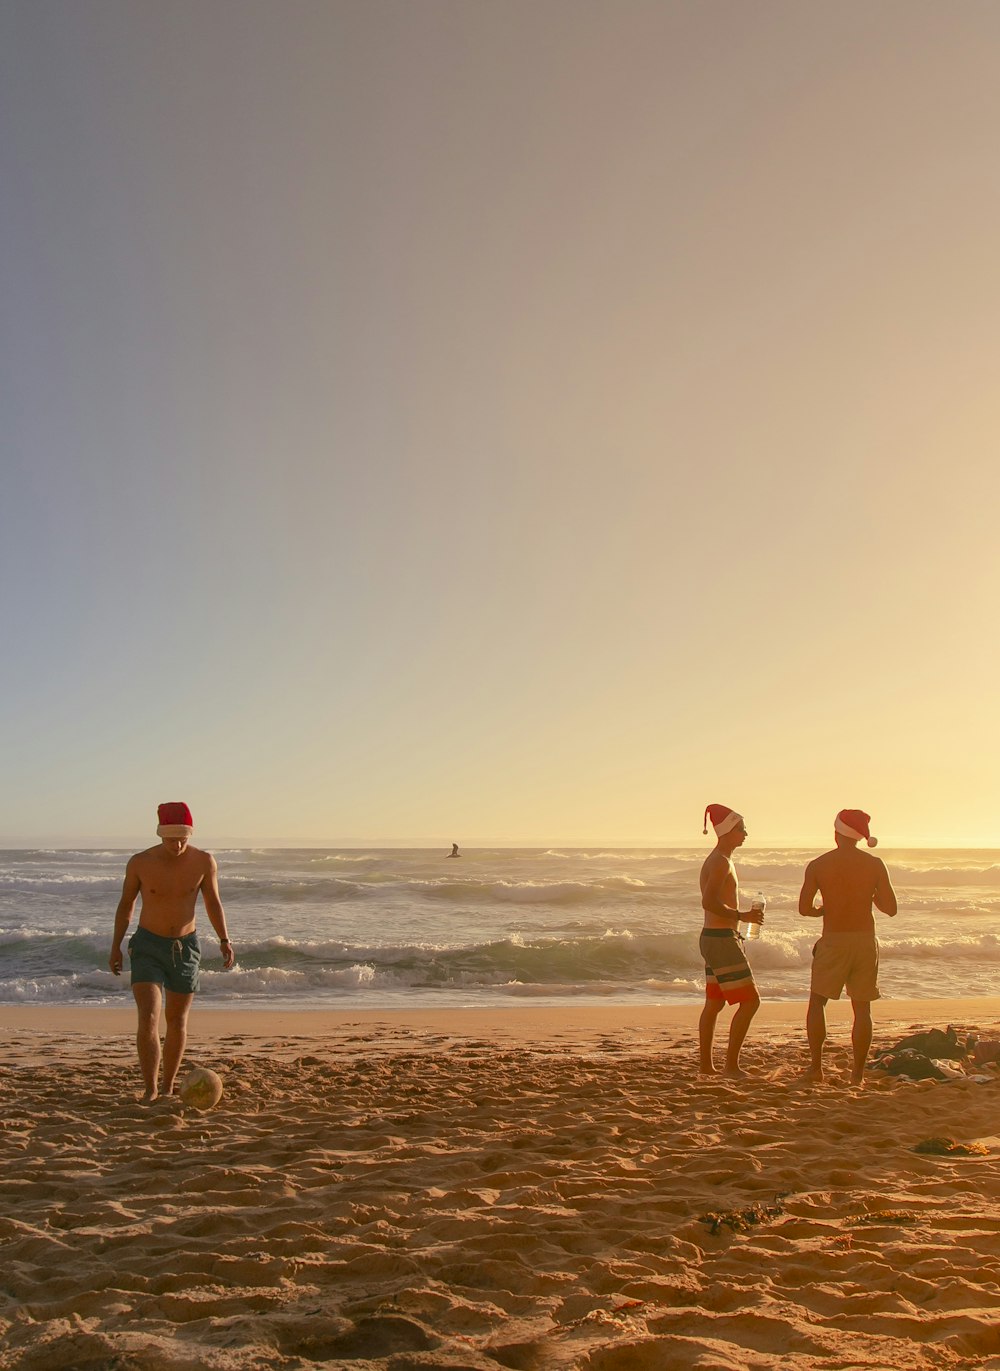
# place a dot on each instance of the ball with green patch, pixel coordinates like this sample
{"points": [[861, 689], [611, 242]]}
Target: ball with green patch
{"points": [[201, 1088]]}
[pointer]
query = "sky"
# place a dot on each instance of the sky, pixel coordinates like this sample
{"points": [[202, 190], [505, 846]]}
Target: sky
{"points": [[500, 422]]}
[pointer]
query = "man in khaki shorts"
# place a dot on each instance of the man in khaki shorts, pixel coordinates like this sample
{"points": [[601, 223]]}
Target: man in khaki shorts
{"points": [[850, 883]]}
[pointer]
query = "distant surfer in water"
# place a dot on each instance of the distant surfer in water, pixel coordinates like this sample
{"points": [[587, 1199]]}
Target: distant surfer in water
{"points": [[454, 851]]}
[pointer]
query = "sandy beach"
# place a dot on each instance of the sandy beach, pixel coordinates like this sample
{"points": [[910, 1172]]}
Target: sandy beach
{"points": [[521, 1188]]}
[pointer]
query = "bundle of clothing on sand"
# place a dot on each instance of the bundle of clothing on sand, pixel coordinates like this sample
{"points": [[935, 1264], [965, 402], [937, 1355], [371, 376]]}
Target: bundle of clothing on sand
{"points": [[941, 1054]]}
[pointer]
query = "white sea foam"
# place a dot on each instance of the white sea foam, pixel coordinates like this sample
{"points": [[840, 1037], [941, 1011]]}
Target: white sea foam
{"points": [[17, 880], [403, 927]]}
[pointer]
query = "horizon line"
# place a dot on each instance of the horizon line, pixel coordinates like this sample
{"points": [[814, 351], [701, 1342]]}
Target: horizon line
{"points": [[89, 843]]}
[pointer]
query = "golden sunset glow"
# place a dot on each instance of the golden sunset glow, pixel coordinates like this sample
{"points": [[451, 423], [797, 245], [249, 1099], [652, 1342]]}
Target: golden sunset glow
{"points": [[510, 422]]}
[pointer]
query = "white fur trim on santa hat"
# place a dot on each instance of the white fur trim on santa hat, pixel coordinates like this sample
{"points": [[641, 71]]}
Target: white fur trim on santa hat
{"points": [[174, 830], [846, 831]]}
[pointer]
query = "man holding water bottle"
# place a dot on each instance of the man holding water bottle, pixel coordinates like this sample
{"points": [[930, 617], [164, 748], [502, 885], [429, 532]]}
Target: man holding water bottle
{"points": [[728, 978]]}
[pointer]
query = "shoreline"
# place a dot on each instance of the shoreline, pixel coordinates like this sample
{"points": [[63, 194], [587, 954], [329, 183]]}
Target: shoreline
{"points": [[518, 1023]]}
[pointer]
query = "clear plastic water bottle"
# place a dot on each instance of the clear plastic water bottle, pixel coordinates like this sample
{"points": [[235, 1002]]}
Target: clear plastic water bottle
{"points": [[758, 904]]}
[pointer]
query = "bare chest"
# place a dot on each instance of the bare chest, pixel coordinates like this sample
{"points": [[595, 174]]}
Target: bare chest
{"points": [[173, 885]]}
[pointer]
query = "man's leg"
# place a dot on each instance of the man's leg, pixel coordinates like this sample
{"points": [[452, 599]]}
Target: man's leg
{"points": [[816, 1033], [861, 1038], [737, 1032], [147, 1038], [176, 1014], [706, 1034]]}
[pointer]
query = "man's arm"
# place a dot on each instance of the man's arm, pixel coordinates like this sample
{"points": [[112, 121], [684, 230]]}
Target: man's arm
{"points": [[216, 914], [126, 906], [884, 897], [807, 894]]}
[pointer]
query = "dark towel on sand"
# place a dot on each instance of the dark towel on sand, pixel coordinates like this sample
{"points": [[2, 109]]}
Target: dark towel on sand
{"points": [[936, 1042]]}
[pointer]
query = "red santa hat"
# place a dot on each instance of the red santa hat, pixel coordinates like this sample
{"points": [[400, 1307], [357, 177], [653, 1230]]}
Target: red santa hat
{"points": [[853, 823], [175, 820], [724, 820]]}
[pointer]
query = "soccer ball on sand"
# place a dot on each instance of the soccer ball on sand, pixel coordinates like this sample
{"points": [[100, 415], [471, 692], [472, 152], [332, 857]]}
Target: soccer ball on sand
{"points": [[201, 1088]]}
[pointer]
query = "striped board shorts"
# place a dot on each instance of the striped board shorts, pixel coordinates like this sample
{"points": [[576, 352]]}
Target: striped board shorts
{"points": [[727, 972]]}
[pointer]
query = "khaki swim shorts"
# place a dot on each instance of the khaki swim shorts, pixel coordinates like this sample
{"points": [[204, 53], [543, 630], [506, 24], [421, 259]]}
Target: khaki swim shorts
{"points": [[845, 959]]}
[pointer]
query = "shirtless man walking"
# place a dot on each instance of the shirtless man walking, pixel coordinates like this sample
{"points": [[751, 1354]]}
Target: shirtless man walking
{"points": [[728, 978], [850, 883], [164, 950]]}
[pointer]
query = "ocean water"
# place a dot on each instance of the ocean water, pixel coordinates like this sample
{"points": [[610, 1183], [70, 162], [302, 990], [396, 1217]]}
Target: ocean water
{"points": [[396, 928]]}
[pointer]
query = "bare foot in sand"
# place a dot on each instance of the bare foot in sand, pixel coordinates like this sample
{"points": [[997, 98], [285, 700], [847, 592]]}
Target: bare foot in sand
{"points": [[150, 1096], [814, 1076], [735, 1073], [709, 1070]]}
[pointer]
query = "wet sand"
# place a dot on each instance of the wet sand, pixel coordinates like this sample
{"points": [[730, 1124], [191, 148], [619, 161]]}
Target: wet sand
{"points": [[522, 1187]]}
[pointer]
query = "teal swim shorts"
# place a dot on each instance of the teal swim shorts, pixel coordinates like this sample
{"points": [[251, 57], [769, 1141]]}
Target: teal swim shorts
{"points": [[173, 963]]}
